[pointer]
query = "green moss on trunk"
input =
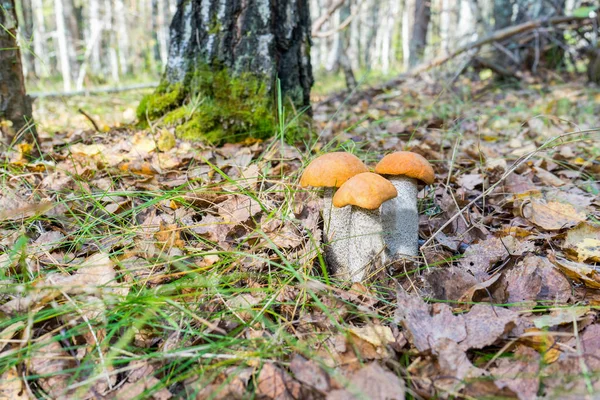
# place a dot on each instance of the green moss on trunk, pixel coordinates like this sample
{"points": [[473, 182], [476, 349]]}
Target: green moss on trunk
{"points": [[216, 107]]}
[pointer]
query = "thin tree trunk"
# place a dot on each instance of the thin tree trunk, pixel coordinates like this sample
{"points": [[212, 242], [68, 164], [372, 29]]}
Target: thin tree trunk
{"points": [[407, 27], [16, 123], [27, 35], [418, 41], [63, 48], [112, 41], [122, 36], [39, 39], [96, 24]]}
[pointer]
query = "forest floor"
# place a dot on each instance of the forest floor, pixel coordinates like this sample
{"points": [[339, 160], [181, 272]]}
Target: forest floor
{"points": [[134, 265]]}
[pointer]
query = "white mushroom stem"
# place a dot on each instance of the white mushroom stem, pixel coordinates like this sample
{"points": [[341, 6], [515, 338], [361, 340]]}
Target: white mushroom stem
{"points": [[336, 233], [366, 245], [400, 219]]}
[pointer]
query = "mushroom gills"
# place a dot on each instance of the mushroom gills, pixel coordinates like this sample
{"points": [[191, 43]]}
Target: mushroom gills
{"points": [[368, 244], [400, 219]]}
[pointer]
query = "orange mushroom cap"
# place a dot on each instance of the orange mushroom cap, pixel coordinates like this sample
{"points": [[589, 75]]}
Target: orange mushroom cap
{"points": [[406, 163], [365, 190], [332, 170]]}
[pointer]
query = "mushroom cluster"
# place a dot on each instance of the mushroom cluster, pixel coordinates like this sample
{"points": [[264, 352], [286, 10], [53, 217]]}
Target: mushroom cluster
{"points": [[368, 218]]}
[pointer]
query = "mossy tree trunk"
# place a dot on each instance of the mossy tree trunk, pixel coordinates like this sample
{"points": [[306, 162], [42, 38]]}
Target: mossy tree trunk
{"points": [[16, 123], [225, 57]]}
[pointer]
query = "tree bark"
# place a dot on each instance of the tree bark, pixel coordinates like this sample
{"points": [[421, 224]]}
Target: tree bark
{"points": [[419, 35], [267, 39], [235, 49], [16, 123]]}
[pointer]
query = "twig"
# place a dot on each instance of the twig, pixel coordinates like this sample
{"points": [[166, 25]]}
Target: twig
{"points": [[90, 119]]}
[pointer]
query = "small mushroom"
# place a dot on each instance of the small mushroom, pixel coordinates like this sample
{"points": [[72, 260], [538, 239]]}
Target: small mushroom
{"points": [[330, 171], [400, 217], [365, 192]]}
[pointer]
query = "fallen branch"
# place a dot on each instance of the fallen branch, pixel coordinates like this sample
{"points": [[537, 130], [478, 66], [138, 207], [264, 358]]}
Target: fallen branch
{"points": [[87, 92], [496, 36], [316, 26]]}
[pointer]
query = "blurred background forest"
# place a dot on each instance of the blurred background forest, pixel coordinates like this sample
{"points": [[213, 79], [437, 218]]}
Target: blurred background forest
{"points": [[73, 45]]}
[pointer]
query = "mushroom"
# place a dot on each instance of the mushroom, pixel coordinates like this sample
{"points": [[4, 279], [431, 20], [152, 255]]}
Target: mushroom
{"points": [[365, 192], [330, 171], [400, 217]]}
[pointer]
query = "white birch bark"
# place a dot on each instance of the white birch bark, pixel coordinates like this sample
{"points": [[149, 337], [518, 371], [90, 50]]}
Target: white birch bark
{"points": [[63, 51], [39, 39], [122, 36]]}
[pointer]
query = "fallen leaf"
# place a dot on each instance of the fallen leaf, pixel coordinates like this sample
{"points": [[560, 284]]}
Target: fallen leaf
{"points": [[371, 382], [561, 316], [310, 373], [552, 215], [520, 374], [470, 181], [541, 341], [11, 386], [50, 361], [377, 335], [274, 383], [578, 271], [238, 209]]}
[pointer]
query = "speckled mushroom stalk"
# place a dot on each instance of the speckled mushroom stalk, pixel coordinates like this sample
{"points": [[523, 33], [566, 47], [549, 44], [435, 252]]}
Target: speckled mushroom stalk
{"points": [[368, 245], [400, 219], [336, 234], [330, 171], [364, 193], [400, 216]]}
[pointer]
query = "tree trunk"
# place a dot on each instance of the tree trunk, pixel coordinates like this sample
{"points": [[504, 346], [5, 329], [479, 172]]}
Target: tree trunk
{"points": [[228, 55], [419, 35], [39, 39], [63, 47], [16, 123], [26, 25]]}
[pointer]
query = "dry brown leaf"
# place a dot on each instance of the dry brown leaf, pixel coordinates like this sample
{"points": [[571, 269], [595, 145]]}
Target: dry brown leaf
{"points": [[371, 382], [548, 178], [485, 324], [96, 272], [535, 279], [577, 271], [139, 382], [541, 341], [552, 215], [584, 240], [276, 384], [168, 236], [470, 181], [520, 375], [241, 304], [11, 386], [49, 360], [238, 209], [310, 373], [480, 257], [377, 335]]}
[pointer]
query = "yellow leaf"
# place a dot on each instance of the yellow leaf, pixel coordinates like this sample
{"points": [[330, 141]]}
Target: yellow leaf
{"points": [[552, 215]]}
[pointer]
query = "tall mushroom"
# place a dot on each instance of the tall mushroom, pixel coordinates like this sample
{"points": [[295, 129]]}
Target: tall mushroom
{"points": [[400, 217], [330, 171], [365, 192]]}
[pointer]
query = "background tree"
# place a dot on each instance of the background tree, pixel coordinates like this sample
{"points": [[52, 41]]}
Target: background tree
{"points": [[15, 108], [225, 58]]}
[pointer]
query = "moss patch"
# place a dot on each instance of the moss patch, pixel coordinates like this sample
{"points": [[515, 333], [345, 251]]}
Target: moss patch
{"points": [[216, 107], [164, 99]]}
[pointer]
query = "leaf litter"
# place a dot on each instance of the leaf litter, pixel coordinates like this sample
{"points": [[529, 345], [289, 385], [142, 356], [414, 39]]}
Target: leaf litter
{"points": [[137, 265]]}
